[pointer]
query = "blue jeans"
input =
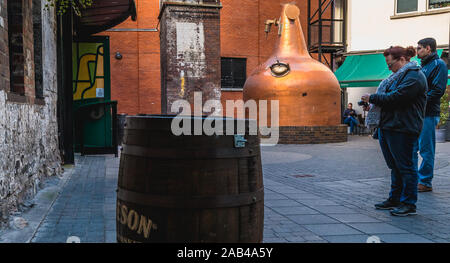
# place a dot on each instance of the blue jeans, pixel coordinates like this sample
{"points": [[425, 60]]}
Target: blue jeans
{"points": [[352, 121], [426, 148], [398, 151]]}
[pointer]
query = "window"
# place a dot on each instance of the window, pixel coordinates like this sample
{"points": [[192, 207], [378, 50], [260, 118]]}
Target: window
{"points": [[434, 4], [15, 42], [233, 73], [37, 37], [406, 6]]}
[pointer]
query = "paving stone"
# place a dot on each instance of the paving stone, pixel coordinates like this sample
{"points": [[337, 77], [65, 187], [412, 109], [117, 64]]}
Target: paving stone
{"points": [[295, 239], [274, 196], [331, 229], [295, 210], [279, 203], [281, 229], [302, 196], [110, 237], [333, 209], [403, 238], [317, 241], [312, 219], [354, 218], [285, 190], [274, 240], [316, 202], [347, 239], [378, 228], [310, 237]]}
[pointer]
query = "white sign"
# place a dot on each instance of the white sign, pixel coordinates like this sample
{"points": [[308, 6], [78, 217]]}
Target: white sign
{"points": [[73, 239], [100, 92]]}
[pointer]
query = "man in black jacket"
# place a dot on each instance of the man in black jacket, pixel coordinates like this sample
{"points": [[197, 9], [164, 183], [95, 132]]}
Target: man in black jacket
{"points": [[402, 114], [435, 71], [350, 117]]}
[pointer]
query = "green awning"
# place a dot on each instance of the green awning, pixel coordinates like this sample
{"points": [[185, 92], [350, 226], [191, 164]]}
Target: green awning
{"points": [[365, 70]]}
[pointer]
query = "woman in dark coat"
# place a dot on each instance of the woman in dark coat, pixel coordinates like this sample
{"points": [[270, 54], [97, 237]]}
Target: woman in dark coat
{"points": [[402, 108]]}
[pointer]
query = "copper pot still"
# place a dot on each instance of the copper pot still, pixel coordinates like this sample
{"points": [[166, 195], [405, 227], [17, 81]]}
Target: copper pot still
{"points": [[308, 91]]}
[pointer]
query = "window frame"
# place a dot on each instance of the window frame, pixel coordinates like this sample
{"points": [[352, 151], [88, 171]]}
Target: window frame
{"points": [[428, 9], [405, 13], [17, 92]]}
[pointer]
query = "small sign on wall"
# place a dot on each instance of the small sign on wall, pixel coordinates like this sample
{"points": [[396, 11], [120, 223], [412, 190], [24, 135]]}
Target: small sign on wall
{"points": [[100, 92]]}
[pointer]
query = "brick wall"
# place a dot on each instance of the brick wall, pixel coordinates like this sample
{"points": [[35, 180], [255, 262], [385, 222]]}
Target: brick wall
{"points": [[190, 54], [241, 35], [312, 135]]}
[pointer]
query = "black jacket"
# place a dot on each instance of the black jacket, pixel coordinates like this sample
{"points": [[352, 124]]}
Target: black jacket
{"points": [[436, 73], [403, 105], [348, 112]]}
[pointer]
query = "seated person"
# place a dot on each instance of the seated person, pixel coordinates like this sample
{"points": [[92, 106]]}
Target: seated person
{"points": [[350, 117]]}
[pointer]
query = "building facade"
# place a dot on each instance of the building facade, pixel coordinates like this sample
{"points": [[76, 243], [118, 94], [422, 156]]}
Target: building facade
{"points": [[374, 26], [135, 51], [29, 148]]}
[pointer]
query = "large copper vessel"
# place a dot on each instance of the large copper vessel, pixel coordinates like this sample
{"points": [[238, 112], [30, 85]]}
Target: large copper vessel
{"points": [[308, 92]]}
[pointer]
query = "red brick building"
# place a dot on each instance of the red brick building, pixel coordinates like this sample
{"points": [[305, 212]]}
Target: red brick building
{"points": [[136, 77]]}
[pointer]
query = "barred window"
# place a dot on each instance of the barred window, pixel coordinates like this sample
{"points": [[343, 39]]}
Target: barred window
{"points": [[233, 73], [15, 43]]}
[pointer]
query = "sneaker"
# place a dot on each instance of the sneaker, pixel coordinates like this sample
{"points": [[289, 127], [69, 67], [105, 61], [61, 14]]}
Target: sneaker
{"points": [[424, 188], [387, 205], [404, 210]]}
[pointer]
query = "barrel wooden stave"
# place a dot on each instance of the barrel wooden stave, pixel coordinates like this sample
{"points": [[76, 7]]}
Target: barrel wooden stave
{"points": [[211, 172]]}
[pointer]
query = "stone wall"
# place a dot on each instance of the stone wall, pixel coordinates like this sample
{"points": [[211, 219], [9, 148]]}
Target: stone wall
{"points": [[28, 126]]}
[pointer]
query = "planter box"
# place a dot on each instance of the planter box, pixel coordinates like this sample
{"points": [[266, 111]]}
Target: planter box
{"points": [[440, 135]]}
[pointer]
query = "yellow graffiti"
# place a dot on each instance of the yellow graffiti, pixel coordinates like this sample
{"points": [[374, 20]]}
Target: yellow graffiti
{"points": [[182, 87], [87, 81]]}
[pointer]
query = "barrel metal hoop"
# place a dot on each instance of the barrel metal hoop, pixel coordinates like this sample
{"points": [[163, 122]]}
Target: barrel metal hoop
{"points": [[169, 153], [171, 201]]}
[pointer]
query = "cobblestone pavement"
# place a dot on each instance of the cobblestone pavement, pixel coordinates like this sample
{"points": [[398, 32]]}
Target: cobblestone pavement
{"points": [[313, 193]]}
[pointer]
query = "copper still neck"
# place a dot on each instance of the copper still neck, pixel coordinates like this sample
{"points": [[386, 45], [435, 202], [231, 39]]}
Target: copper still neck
{"points": [[290, 39]]}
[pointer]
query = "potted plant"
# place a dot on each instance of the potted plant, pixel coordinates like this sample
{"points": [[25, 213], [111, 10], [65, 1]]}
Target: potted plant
{"points": [[440, 128]]}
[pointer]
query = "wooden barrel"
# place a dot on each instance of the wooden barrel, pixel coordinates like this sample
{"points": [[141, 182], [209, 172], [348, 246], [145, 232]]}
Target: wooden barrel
{"points": [[189, 188]]}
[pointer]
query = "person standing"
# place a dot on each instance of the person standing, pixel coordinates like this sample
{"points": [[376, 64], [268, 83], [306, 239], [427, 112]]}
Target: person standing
{"points": [[402, 112], [350, 117], [435, 71]]}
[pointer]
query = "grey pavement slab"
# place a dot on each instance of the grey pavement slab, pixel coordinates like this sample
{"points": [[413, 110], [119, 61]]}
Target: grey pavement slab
{"points": [[295, 210], [312, 219], [281, 203], [332, 229], [403, 238], [354, 218], [317, 202], [302, 196], [334, 209], [377, 228], [347, 239]]}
